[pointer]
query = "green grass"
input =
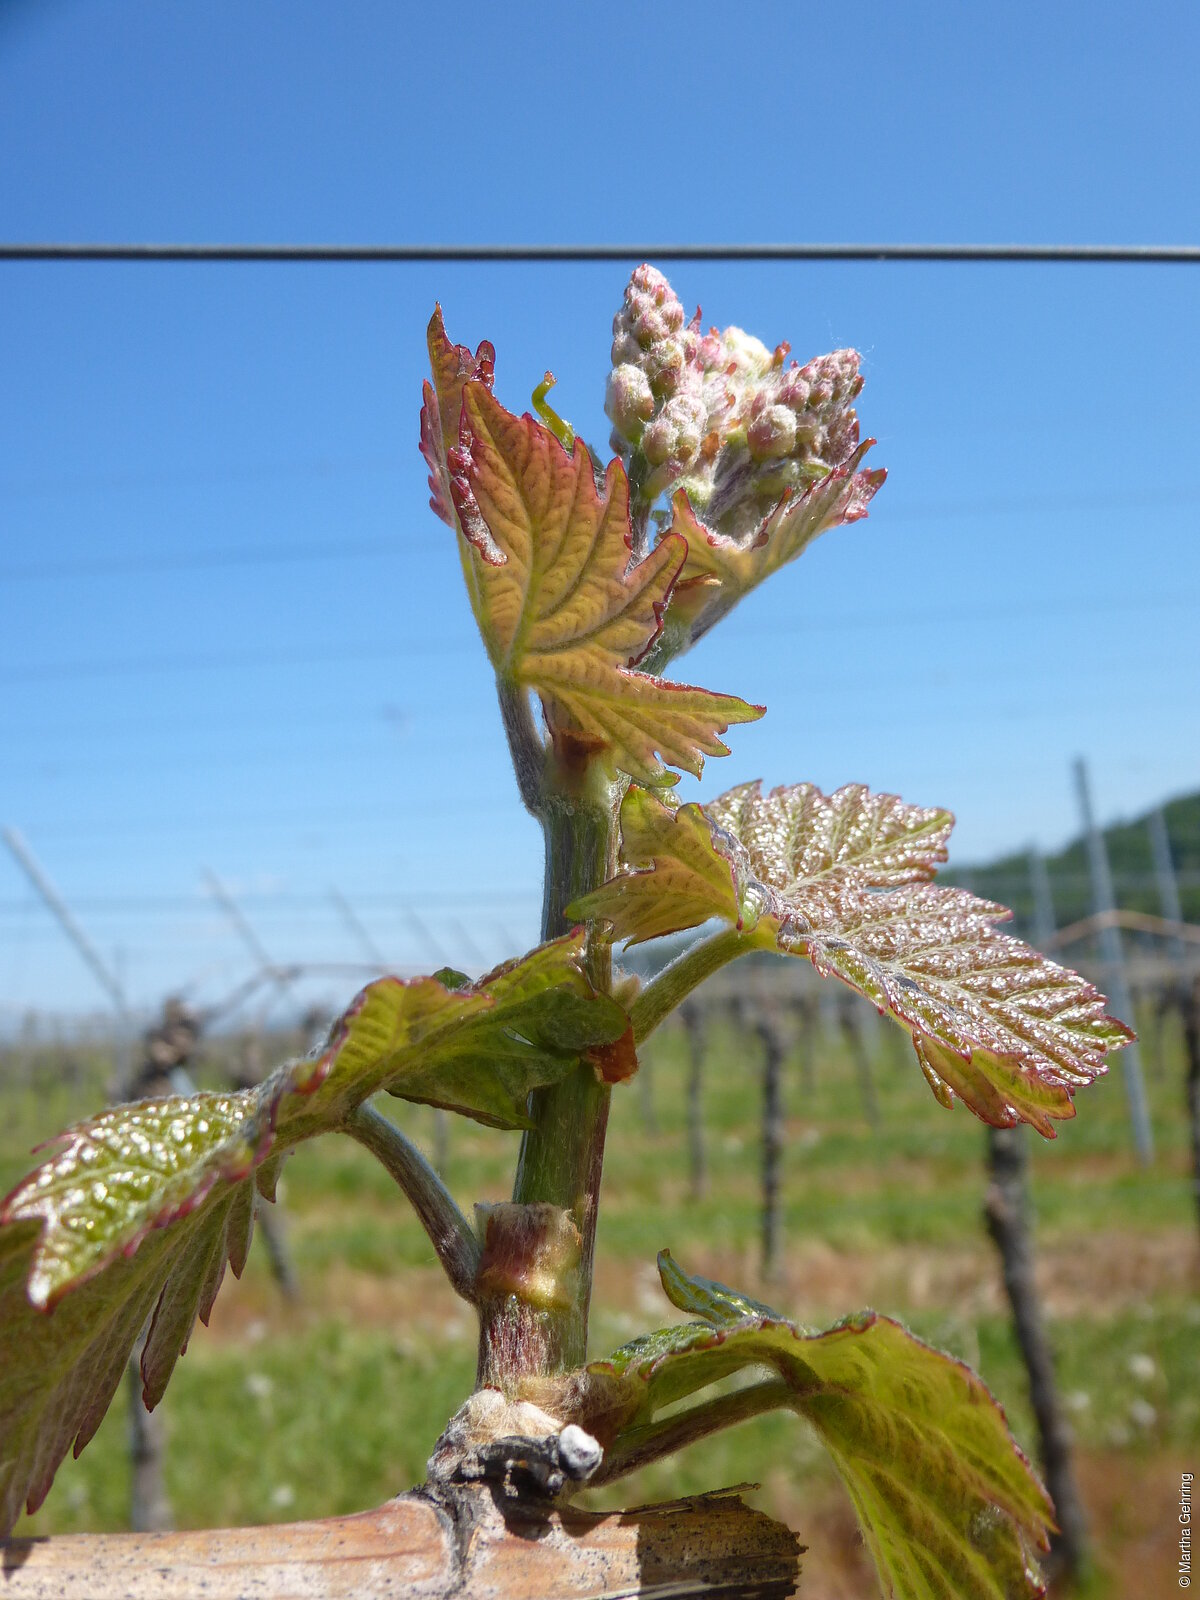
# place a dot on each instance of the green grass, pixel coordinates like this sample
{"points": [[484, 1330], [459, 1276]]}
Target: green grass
{"points": [[333, 1408], [334, 1418]]}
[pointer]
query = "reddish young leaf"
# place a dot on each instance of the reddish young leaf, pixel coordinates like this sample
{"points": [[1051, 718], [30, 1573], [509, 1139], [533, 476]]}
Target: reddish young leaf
{"points": [[561, 611], [721, 568], [843, 880], [452, 366], [797, 836], [731, 858]]}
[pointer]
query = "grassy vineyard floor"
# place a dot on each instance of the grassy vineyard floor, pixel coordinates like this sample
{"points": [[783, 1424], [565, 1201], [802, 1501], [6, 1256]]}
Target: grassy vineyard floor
{"points": [[279, 1412]]}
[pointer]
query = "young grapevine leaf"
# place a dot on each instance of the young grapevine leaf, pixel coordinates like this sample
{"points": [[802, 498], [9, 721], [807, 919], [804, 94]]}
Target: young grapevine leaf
{"points": [[141, 1209], [843, 880], [703, 1297], [452, 366], [538, 1016], [561, 611], [478, 1050], [947, 1503], [137, 1212], [721, 568]]}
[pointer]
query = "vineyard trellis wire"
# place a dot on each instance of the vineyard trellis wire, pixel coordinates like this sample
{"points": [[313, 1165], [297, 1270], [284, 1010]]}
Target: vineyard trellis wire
{"points": [[524, 254]]}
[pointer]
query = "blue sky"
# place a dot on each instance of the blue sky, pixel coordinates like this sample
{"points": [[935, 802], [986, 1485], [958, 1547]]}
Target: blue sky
{"points": [[232, 635]]}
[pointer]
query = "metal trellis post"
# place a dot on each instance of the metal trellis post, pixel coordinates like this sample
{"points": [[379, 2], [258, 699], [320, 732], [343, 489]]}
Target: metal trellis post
{"points": [[1104, 902]]}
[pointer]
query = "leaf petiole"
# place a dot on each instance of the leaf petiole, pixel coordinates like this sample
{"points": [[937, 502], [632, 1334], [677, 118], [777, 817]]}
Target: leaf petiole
{"points": [[639, 1446], [525, 743], [676, 981], [451, 1235]]}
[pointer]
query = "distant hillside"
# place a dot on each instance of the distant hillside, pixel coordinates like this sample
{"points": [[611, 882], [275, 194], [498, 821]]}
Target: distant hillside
{"points": [[1129, 854]]}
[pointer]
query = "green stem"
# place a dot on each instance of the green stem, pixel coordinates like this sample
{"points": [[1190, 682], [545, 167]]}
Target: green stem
{"points": [[451, 1235], [525, 744], [562, 1153], [640, 1446], [675, 982], [580, 827]]}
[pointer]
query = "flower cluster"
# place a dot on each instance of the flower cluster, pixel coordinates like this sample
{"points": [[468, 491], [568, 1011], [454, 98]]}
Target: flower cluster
{"points": [[720, 415]]}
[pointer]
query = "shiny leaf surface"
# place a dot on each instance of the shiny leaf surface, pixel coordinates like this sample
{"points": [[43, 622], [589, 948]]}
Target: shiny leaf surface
{"points": [[137, 1212], [561, 610], [843, 880]]}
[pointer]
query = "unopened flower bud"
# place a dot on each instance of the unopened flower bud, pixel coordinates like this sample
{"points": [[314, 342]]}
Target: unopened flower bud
{"points": [[748, 356], [664, 364], [793, 391], [629, 401], [819, 395], [625, 349], [651, 312], [720, 413], [675, 435], [705, 349], [771, 432]]}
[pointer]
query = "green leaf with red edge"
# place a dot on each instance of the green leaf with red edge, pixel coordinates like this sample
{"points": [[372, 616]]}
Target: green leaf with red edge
{"points": [[533, 1021], [137, 1212], [676, 877], [452, 366], [477, 1050], [947, 1503], [561, 611], [843, 880], [688, 863], [720, 568]]}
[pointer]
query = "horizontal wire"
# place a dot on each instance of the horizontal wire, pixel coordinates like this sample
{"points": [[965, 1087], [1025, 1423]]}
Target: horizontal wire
{"points": [[267, 903], [498, 253], [392, 549], [396, 548], [48, 754], [462, 641], [400, 904]]}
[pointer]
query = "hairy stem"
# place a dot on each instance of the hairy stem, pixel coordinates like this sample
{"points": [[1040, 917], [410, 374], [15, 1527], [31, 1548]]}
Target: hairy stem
{"points": [[562, 1153], [525, 743], [640, 1446], [451, 1235], [527, 1289], [675, 982], [640, 505]]}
